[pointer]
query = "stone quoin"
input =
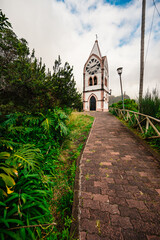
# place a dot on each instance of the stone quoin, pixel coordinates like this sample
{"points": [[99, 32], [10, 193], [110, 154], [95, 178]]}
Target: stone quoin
{"points": [[96, 81]]}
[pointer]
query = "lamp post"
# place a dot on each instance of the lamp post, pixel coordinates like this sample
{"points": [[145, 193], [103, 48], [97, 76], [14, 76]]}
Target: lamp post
{"points": [[119, 70]]}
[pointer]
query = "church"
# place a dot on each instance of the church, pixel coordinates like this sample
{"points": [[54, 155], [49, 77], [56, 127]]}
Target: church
{"points": [[96, 81]]}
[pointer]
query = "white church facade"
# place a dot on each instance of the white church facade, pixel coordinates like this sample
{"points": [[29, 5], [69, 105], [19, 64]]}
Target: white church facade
{"points": [[96, 81]]}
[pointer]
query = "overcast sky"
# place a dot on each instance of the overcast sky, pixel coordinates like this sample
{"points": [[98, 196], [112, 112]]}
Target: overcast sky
{"points": [[68, 28]]}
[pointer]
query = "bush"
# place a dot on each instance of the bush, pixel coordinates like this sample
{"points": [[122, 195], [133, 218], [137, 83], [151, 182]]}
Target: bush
{"points": [[129, 104], [150, 104]]}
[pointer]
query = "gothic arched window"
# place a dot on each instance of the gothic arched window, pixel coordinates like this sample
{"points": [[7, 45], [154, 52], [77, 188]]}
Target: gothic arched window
{"points": [[90, 81], [106, 82], [95, 80]]}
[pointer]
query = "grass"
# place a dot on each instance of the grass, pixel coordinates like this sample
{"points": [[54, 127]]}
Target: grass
{"points": [[79, 125]]}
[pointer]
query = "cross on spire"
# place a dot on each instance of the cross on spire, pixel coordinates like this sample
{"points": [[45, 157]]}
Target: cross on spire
{"points": [[96, 37]]}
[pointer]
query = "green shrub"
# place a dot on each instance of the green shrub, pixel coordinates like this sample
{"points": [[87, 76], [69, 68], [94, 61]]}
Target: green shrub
{"points": [[150, 104], [129, 104]]}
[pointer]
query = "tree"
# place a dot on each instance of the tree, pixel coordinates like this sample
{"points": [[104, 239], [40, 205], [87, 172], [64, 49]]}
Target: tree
{"points": [[4, 23], [65, 86]]}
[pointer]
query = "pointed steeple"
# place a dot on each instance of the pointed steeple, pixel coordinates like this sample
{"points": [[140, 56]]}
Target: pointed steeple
{"points": [[96, 50]]}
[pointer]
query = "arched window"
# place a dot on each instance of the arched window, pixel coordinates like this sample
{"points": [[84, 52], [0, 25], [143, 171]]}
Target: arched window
{"points": [[106, 82], [90, 81], [95, 80]]}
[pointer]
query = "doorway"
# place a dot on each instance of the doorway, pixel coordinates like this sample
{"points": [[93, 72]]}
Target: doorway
{"points": [[92, 104]]}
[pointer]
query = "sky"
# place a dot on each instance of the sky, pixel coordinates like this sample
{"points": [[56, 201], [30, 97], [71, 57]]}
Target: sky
{"points": [[68, 28]]}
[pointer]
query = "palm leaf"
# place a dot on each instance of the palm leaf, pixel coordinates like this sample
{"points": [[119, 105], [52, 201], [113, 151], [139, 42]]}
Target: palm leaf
{"points": [[8, 143], [63, 128], [11, 119], [4, 155], [47, 124], [8, 180], [26, 156], [32, 120], [8, 170]]}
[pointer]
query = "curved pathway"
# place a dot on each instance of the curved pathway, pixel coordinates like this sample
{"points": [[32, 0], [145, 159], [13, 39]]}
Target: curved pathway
{"points": [[119, 185]]}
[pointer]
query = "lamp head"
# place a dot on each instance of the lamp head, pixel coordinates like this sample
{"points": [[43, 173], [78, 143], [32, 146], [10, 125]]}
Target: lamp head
{"points": [[119, 70]]}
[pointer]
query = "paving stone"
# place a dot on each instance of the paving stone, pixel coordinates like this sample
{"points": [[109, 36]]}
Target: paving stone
{"points": [[130, 234], [85, 213], [107, 179], [146, 227], [113, 209], [86, 195], [136, 204], [153, 238], [114, 153], [88, 226], [150, 216], [124, 194], [100, 184], [115, 186], [132, 213], [105, 164], [92, 204], [103, 217], [118, 201], [93, 237], [83, 235], [110, 193], [123, 222], [111, 232], [100, 197]]}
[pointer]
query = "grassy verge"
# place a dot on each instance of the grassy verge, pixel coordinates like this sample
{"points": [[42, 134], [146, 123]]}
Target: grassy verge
{"points": [[79, 125]]}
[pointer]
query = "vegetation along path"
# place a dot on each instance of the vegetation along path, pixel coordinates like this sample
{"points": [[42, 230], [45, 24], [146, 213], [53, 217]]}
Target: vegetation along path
{"points": [[119, 185]]}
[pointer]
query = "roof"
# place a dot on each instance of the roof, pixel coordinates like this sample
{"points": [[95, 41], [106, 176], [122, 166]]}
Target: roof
{"points": [[96, 50]]}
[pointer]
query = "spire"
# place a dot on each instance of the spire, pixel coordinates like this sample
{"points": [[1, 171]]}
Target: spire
{"points": [[96, 49]]}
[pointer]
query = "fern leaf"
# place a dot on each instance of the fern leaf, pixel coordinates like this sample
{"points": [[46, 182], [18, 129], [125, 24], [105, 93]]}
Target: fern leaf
{"points": [[47, 124], [9, 181], [27, 156], [8, 143], [9, 170], [4, 155]]}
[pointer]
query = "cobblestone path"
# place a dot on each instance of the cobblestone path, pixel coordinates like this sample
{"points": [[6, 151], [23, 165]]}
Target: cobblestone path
{"points": [[119, 185]]}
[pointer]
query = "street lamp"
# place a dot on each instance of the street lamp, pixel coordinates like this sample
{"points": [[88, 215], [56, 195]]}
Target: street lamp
{"points": [[119, 70]]}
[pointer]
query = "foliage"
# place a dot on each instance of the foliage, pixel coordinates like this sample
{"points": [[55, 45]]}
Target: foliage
{"points": [[150, 104], [4, 23], [37, 171], [129, 104], [64, 86], [25, 175], [113, 99]]}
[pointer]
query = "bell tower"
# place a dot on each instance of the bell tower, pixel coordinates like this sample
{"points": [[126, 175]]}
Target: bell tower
{"points": [[96, 81]]}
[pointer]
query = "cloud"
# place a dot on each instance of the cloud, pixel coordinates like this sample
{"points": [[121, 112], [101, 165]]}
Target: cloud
{"points": [[68, 28]]}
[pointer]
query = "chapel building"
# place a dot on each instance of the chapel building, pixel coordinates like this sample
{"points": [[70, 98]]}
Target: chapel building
{"points": [[96, 81]]}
